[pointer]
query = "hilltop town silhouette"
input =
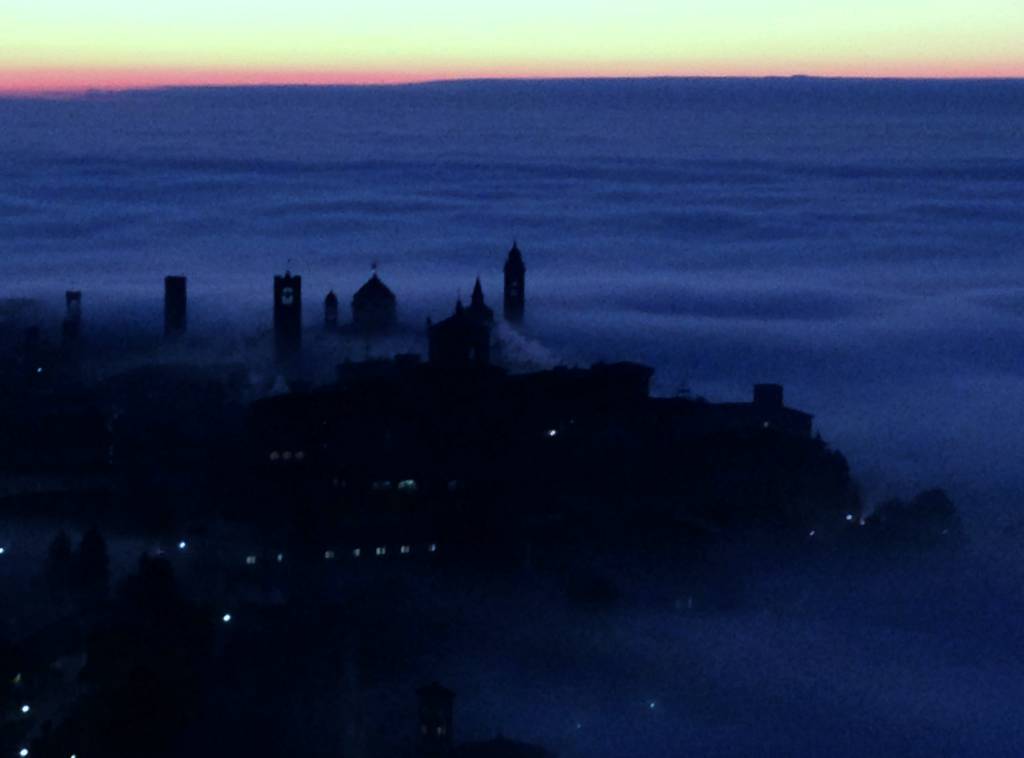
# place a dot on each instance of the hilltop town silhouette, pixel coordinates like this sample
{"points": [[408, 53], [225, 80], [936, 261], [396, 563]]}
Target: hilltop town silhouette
{"points": [[457, 420], [410, 463]]}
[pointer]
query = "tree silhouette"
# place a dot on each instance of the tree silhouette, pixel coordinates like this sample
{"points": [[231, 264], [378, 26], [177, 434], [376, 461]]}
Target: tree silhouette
{"points": [[930, 518], [93, 563], [60, 567], [145, 666]]}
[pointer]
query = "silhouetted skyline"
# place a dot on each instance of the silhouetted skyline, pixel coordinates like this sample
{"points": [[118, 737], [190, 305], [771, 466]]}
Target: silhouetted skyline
{"points": [[512, 418]]}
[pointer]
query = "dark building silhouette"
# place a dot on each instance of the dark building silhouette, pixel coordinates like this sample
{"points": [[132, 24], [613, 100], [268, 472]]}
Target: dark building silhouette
{"points": [[72, 316], [500, 747], [464, 338], [478, 310], [767, 411], [31, 349], [331, 312], [768, 395], [175, 306], [436, 709], [287, 317], [515, 285], [563, 432], [374, 307]]}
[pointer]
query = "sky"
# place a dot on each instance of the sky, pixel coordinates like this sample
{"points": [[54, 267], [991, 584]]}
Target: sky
{"points": [[69, 45]]}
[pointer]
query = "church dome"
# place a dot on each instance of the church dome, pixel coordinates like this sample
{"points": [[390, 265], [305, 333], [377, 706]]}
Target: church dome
{"points": [[373, 290]]}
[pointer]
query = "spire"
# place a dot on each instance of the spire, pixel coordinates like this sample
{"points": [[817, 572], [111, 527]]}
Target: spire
{"points": [[515, 257], [515, 284], [478, 294]]}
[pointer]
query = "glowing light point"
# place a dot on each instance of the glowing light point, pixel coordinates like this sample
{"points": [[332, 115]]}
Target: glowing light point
{"points": [[552, 432], [3, 550], [23, 752], [651, 705], [226, 618], [280, 557], [25, 709], [182, 545], [812, 532]]}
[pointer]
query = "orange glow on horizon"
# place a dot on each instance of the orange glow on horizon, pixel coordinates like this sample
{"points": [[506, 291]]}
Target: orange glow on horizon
{"points": [[44, 81]]}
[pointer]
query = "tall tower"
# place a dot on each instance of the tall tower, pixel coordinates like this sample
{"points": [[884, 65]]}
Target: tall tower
{"points": [[287, 317], [175, 306], [72, 316], [436, 706], [515, 286], [331, 312]]}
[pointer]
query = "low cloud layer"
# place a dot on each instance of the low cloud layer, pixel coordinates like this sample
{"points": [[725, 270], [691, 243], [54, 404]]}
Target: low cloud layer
{"points": [[858, 241]]}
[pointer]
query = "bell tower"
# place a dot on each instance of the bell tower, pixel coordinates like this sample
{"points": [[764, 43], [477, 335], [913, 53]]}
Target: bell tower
{"points": [[331, 312], [515, 286], [287, 317]]}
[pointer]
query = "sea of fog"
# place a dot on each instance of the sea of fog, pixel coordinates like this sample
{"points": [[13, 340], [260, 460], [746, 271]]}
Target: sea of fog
{"points": [[859, 241]]}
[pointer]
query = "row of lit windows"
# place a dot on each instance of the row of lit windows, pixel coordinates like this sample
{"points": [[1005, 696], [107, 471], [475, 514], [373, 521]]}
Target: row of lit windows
{"points": [[287, 455], [405, 485], [330, 555], [251, 560], [380, 551]]}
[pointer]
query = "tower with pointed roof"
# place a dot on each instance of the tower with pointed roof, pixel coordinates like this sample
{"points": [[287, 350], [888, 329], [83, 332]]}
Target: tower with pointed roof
{"points": [[331, 312], [463, 339], [478, 309], [515, 286]]}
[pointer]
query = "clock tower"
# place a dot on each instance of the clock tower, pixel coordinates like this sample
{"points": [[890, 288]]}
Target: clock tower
{"points": [[287, 317]]}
